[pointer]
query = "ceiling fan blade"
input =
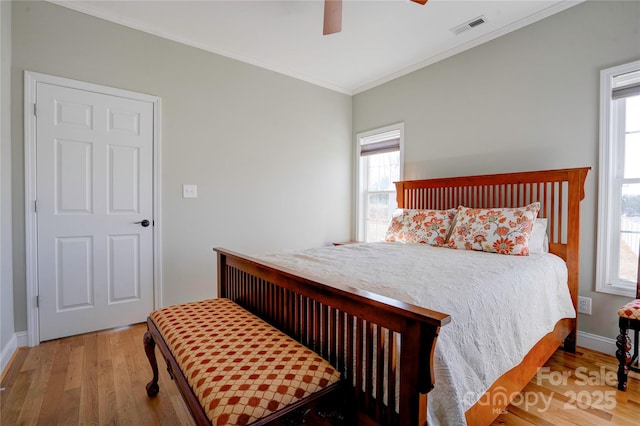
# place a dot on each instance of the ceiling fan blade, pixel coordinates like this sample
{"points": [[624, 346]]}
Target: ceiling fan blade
{"points": [[420, 1], [332, 17]]}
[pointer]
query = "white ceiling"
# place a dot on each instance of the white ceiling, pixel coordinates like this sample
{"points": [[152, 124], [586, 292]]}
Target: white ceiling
{"points": [[380, 39]]}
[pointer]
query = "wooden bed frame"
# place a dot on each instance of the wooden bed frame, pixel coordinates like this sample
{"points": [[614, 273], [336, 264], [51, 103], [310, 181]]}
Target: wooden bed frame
{"points": [[356, 331]]}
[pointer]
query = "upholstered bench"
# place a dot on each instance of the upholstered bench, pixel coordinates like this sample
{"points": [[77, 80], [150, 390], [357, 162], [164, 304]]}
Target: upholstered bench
{"points": [[231, 367]]}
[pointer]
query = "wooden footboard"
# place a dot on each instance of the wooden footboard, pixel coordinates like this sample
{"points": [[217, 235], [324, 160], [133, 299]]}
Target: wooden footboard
{"points": [[358, 332]]}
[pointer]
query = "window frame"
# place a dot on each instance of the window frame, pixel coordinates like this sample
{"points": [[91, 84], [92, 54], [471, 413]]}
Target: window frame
{"points": [[609, 199], [360, 181]]}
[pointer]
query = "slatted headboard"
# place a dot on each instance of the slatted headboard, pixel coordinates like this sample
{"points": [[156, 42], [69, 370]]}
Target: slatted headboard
{"points": [[558, 191]]}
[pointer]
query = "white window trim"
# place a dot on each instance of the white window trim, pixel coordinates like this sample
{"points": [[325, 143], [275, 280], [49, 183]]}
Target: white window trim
{"points": [[606, 203], [359, 201]]}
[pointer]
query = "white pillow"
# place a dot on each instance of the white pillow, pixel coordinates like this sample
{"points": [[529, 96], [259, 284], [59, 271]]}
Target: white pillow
{"points": [[539, 240]]}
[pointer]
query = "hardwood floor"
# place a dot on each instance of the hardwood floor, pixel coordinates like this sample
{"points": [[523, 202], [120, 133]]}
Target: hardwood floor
{"points": [[99, 378], [94, 378], [576, 389]]}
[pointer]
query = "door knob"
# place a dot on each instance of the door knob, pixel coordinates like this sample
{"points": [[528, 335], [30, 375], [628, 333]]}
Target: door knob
{"points": [[143, 222]]}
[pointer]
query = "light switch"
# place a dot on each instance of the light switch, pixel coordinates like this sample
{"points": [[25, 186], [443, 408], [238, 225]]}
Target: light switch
{"points": [[189, 191]]}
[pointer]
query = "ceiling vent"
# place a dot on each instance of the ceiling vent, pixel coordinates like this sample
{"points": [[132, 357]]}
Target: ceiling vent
{"points": [[468, 25]]}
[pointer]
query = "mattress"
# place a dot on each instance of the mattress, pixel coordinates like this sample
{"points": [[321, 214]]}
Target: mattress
{"points": [[500, 305]]}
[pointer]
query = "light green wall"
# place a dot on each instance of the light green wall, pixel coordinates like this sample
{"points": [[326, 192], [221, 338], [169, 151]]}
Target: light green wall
{"points": [[526, 101], [6, 273], [271, 155], [270, 152]]}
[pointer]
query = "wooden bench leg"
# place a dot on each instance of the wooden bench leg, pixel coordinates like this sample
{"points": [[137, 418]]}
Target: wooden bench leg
{"points": [[633, 363], [623, 343], [150, 350]]}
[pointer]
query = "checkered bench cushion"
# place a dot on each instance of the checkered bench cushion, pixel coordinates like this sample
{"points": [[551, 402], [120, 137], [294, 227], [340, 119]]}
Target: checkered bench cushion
{"points": [[631, 310], [240, 368]]}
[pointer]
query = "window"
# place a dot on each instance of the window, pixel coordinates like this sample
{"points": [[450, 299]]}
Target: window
{"points": [[619, 185], [379, 157]]}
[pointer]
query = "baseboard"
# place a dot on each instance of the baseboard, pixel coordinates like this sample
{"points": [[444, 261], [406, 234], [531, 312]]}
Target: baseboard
{"points": [[23, 338], [19, 339], [7, 352], [597, 343]]}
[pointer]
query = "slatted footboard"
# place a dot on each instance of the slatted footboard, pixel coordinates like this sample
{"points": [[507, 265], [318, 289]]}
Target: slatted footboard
{"points": [[358, 332]]}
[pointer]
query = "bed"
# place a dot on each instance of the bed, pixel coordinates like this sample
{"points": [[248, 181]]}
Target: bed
{"points": [[384, 343]]}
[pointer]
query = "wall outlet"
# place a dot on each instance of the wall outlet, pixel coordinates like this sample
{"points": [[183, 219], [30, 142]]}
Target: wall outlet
{"points": [[189, 191], [584, 305]]}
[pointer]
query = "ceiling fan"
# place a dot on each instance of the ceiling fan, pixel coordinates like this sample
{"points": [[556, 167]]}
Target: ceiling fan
{"points": [[333, 16]]}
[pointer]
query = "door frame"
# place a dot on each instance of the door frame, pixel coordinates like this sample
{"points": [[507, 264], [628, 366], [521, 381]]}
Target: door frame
{"points": [[31, 79]]}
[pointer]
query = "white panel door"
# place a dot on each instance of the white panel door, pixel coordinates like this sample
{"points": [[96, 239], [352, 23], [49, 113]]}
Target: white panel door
{"points": [[94, 188]]}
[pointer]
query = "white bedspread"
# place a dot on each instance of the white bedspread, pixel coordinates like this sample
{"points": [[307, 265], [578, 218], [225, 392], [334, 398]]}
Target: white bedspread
{"points": [[500, 306]]}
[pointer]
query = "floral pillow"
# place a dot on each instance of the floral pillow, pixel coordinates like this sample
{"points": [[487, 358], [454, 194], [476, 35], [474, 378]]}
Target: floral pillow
{"points": [[503, 231], [420, 226], [396, 229]]}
